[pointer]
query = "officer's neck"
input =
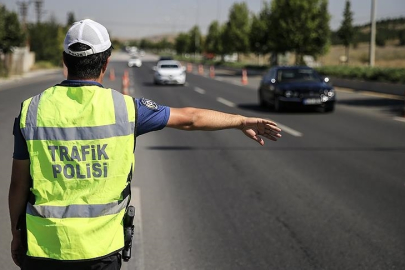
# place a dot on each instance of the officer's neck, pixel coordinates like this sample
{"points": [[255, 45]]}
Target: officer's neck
{"points": [[99, 79]]}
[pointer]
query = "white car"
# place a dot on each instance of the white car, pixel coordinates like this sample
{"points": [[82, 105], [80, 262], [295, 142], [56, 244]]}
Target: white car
{"points": [[169, 72], [134, 62]]}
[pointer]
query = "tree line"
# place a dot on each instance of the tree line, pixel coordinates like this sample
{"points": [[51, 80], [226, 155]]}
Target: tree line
{"points": [[281, 26]]}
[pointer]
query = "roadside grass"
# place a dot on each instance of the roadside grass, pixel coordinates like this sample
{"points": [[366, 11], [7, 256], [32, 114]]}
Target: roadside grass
{"points": [[391, 55], [43, 65]]}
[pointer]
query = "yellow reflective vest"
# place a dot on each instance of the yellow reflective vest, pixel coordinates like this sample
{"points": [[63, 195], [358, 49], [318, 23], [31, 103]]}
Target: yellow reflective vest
{"points": [[81, 145]]}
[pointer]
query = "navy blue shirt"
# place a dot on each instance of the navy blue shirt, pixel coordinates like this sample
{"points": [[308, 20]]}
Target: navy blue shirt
{"points": [[150, 117]]}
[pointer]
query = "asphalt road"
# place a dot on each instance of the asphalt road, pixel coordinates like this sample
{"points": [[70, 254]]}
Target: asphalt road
{"points": [[329, 195]]}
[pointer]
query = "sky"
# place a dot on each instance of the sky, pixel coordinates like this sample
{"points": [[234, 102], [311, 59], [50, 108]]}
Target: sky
{"points": [[134, 19]]}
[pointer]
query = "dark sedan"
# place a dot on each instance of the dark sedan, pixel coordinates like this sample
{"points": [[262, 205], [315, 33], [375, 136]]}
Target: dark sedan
{"points": [[296, 86]]}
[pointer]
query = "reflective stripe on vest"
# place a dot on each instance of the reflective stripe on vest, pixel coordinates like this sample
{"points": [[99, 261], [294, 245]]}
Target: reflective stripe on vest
{"points": [[77, 211], [81, 141], [32, 132]]}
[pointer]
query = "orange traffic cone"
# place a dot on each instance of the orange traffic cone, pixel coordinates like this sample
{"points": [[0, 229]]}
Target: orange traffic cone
{"points": [[212, 71], [189, 67], [244, 77], [200, 69], [125, 83], [112, 75]]}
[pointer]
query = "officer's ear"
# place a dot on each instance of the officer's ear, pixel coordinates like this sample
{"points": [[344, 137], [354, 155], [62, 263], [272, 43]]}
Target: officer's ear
{"points": [[104, 68]]}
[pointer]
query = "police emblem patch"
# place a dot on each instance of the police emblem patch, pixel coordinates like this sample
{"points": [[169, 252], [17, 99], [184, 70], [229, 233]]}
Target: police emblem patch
{"points": [[150, 104]]}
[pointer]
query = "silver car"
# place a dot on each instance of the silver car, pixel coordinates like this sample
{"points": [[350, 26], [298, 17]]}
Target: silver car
{"points": [[134, 62], [169, 72]]}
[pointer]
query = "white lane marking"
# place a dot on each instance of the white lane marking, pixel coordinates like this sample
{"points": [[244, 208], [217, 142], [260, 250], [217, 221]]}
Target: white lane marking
{"points": [[400, 119], [199, 90], [290, 130], [226, 102], [138, 258], [219, 79], [284, 128]]}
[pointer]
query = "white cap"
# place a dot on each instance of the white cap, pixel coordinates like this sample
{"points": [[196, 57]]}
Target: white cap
{"points": [[90, 33]]}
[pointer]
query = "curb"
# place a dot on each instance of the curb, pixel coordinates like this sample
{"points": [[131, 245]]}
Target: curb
{"points": [[27, 75]]}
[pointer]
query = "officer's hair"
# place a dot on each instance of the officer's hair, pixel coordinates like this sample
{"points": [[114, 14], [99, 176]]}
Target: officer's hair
{"points": [[88, 67]]}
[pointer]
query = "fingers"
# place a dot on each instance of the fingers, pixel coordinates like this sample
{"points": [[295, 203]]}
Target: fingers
{"points": [[270, 132], [258, 139]]}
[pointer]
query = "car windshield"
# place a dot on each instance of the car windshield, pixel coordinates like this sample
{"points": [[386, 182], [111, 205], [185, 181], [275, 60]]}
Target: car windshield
{"points": [[299, 74], [169, 66]]}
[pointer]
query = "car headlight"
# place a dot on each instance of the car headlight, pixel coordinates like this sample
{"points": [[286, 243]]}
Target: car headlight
{"points": [[324, 98], [329, 92]]}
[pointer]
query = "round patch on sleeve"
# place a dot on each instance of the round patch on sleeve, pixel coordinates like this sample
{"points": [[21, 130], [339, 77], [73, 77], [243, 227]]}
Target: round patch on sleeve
{"points": [[149, 104]]}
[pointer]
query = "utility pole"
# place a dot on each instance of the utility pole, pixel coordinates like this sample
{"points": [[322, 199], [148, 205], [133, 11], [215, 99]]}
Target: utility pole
{"points": [[196, 41], [23, 8], [38, 9], [373, 33]]}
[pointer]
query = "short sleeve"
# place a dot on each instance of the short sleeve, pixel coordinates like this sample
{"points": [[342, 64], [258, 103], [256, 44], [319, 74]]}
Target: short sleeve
{"points": [[150, 116], [20, 146]]}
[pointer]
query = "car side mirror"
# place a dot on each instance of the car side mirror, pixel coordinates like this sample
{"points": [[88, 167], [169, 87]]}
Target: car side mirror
{"points": [[183, 68], [154, 68]]}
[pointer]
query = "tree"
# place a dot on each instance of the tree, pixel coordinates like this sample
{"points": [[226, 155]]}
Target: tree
{"points": [[146, 44], [213, 42], [259, 32], [401, 37], [70, 19], [164, 44], [181, 43], [11, 33], [47, 41], [300, 26], [195, 40], [235, 37], [346, 32]]}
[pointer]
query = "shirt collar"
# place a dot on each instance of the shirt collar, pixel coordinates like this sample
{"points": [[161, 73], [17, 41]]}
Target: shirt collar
{"points": [[80, 83]]}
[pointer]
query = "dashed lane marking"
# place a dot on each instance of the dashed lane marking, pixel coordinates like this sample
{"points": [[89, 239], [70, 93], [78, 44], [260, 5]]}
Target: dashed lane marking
{"points": [[199, 90], [226, 102], [400, 119], [290, 130]]}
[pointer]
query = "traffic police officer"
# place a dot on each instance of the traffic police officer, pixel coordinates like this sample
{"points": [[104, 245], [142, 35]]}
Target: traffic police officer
{"points": [[74, 156]]}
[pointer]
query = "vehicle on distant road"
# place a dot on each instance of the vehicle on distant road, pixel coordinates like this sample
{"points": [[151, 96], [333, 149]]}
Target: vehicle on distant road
{"points": [[296, 86], [134, 62], [169, 72], [162, 58]]}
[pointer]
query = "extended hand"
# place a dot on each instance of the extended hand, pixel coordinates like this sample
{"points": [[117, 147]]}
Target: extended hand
{"points": [[256, 127]]}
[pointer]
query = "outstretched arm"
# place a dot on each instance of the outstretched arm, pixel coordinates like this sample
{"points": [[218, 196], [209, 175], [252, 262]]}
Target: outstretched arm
{"points": [[202, 119]]}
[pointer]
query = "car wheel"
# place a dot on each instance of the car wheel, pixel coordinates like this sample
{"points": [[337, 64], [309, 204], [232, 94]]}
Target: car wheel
{"points": [[262, 102], [278, 106]]}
